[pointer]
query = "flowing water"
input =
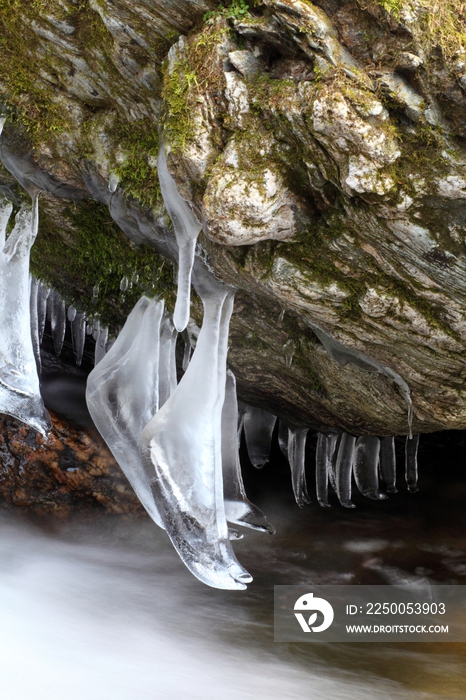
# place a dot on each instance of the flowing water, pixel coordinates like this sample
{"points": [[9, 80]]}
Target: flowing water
{"points": [[101, 607]]}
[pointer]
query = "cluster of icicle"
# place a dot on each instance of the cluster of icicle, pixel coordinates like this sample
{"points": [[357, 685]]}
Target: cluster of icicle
{"points": [[46, 304], [339, 457]]}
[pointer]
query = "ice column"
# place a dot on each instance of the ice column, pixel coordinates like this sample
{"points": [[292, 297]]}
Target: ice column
{"points": [[296, 458], [238, 508], [187, 229], [34, 286], [366, 462], [122, 394], [42, 297], [258, 429], [19, 382], [181, 445]]}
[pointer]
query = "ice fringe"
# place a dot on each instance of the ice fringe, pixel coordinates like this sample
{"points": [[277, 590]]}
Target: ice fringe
{"points": [[19, 382], [181, 445], [238, 508]]}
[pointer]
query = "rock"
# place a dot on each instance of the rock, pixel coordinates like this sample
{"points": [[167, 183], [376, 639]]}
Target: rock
{"points": [[323, 147]]}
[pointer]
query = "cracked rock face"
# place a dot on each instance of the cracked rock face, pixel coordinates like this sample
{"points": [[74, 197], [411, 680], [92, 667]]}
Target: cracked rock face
{"points": [[322, 145]]}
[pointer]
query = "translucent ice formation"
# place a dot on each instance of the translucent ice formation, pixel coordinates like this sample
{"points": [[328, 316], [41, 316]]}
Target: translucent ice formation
{"points": [[187, 229], [238, 508], [19, 382], [42, 297], [411, 447], [34, 286], [181, 444], [122, 394], [78, 335], [388, 464], [296, 458], [56, 311], [344, 464], [167, 360], [283, 438], [100, 344], [258, 429], [324, 452], [366, 463]]}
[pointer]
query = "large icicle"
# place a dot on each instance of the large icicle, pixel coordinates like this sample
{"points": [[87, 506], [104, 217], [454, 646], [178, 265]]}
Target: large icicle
{"points": [[388, 464], [411, 463], [297, 460], [238, 508], [366, 462], [57, 313], [258, 428], [187, 229], [167, 362], [122, 394], [100, 344], [323, 465], [283, 437], [344, 469], [182, 444], [19, 382]]}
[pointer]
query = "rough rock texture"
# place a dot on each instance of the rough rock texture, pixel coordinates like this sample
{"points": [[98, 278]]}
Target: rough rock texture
{"points": [[323, 146], [54, 475]]}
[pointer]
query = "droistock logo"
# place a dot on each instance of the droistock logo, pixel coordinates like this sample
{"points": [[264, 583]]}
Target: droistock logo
{"points": [[308, 603]]}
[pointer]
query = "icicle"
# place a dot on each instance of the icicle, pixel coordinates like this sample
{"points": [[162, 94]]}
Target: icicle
{"points": [[95, 328], [167, 362], [186, 351], [78, 336], [19, 382], [283, 438], [344, 469], [42, 297], [388, 464], [411, 463], [281, 315], [238, 508], [334, 446], [2, 122], [100, 345], [124, 283], [187, 229], [57, 313], [71, 314], [122, 394], [113, 182], [95, 291], [182, 443], [34, 285], [365, 465], [323, 466], [89, 328], [297, 460], [288, 351], [258, 429]]}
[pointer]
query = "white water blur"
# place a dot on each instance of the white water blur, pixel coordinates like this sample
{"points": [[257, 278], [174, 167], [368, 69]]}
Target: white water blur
{"points": [[109, 613]]}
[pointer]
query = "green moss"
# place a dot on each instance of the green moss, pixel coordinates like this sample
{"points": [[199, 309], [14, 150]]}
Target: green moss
{"points": [[85, 251], [139, 142]]}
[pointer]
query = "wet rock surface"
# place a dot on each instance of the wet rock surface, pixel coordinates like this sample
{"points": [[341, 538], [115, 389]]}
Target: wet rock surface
{"points": [[321, 144]]}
